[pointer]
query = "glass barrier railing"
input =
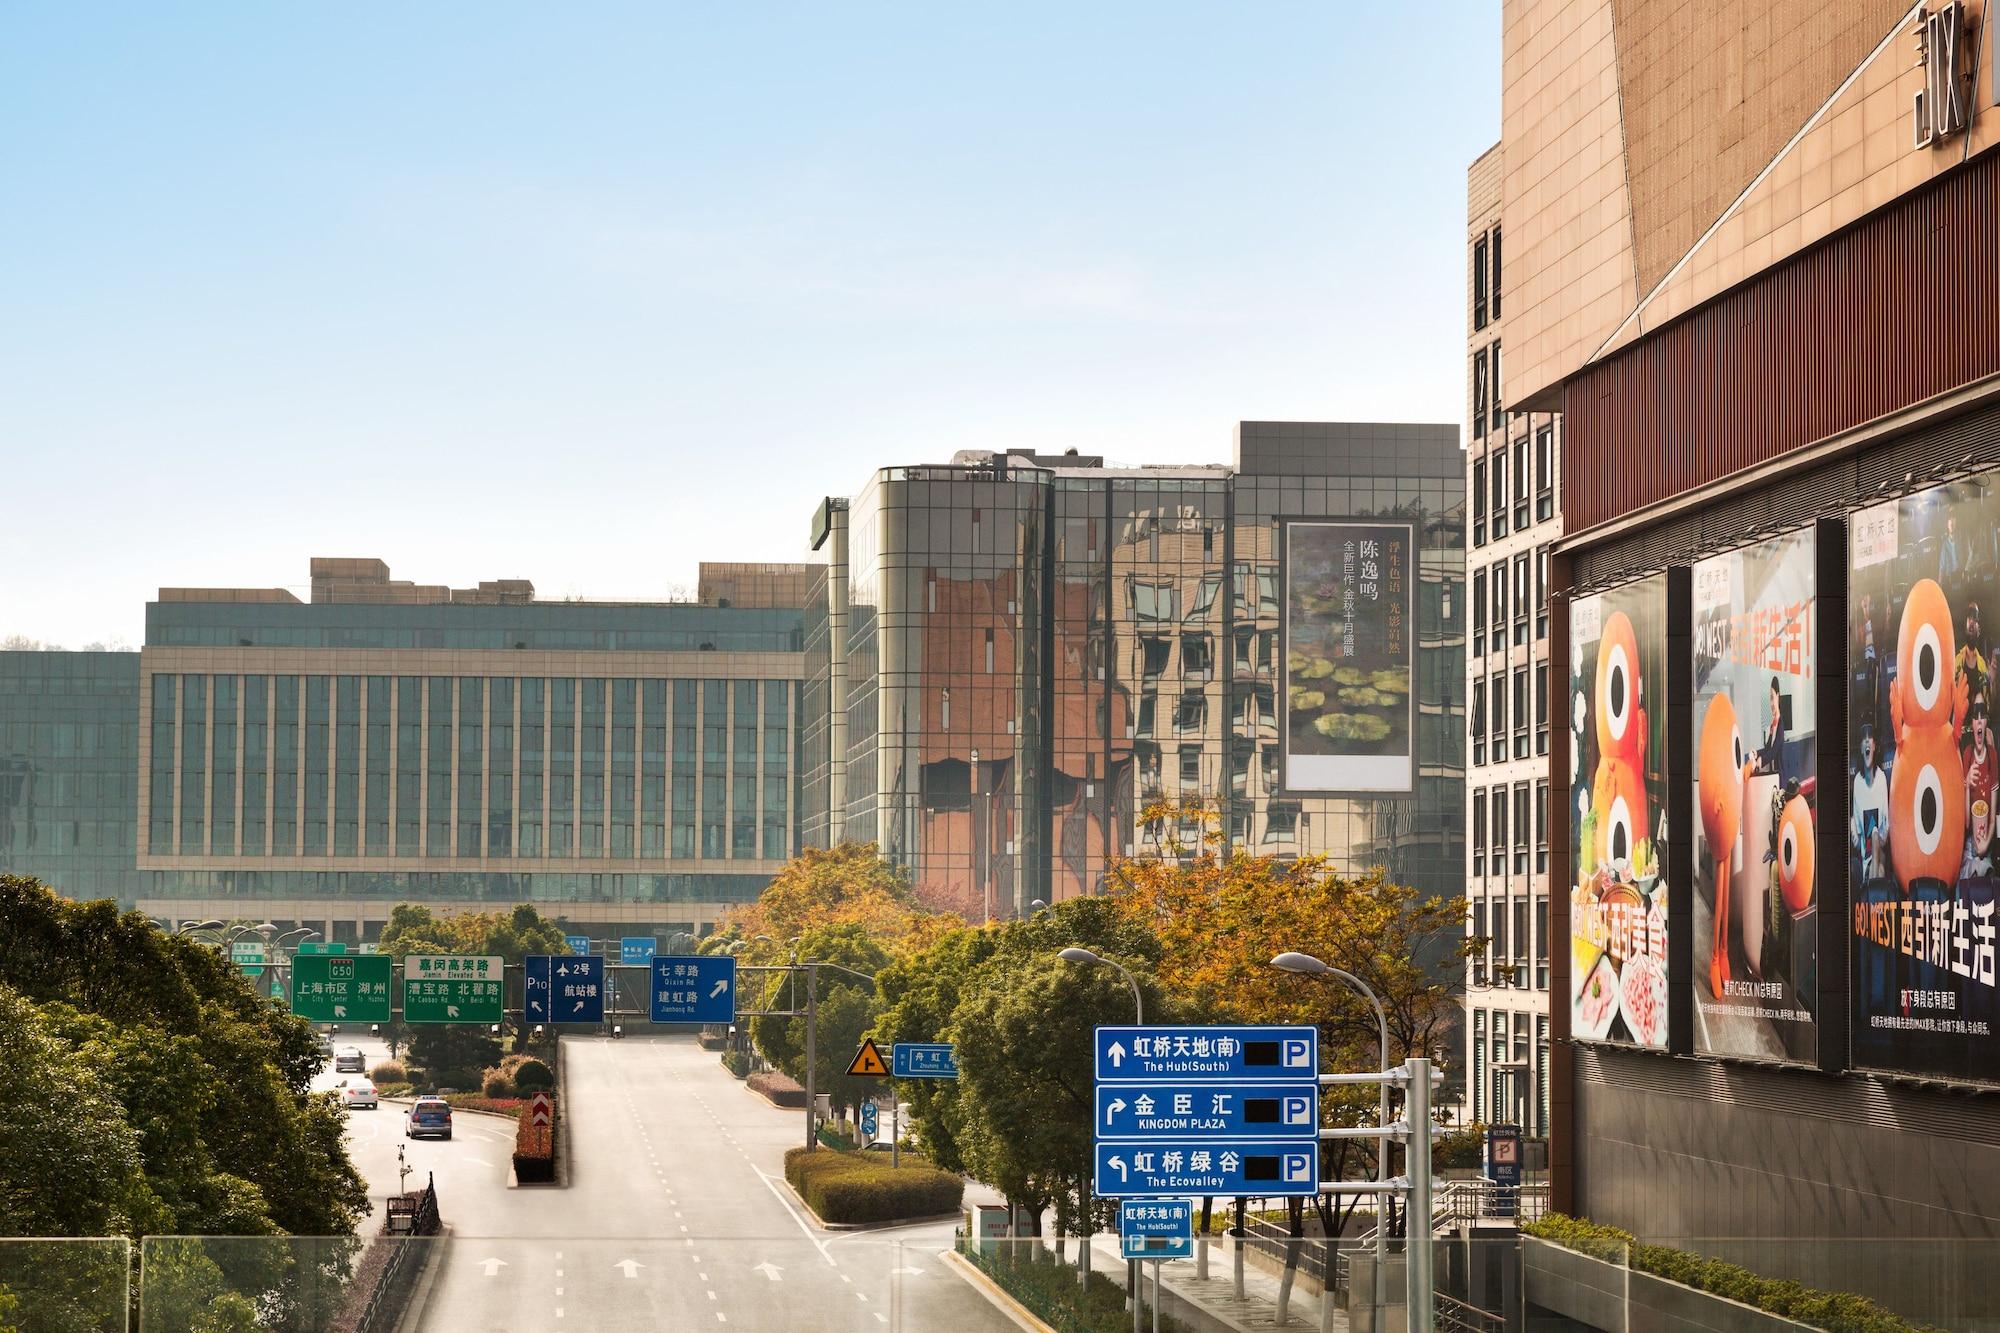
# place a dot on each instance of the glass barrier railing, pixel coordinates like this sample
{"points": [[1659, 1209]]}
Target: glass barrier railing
{"points": [[65, 1286]]}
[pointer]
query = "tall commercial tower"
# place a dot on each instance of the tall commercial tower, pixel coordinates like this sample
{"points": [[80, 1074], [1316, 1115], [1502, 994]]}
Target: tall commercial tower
{"points": [[1753, 262], [316, 762], [1022, 655], [1511, 481]]}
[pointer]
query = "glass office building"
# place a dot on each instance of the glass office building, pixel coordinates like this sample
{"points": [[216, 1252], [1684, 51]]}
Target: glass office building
{"points": [[1022, 654], [629, 764]]}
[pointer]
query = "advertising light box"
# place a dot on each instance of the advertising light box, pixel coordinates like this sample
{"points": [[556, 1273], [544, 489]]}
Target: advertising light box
{"points": [[1349, 632]]}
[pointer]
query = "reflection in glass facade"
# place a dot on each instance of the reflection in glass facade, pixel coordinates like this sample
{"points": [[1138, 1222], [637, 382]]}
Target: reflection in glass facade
{"points": [[1036, 649], [614, 762]]}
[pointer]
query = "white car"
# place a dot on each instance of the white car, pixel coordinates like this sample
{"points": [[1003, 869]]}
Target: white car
{"points": [[361, 1094]]}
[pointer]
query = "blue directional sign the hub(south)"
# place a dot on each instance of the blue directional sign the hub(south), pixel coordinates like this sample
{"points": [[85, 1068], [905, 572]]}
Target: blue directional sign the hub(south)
{"points": [[1206, 1110], [1207, 1054], [561, 989], [1151, 1110], [694, 989], [924, 1059], [1156, 1228]]}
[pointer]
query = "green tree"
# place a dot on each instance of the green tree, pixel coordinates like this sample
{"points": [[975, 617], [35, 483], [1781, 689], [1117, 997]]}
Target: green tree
{"points": [[848, 1009], [513, 935]]}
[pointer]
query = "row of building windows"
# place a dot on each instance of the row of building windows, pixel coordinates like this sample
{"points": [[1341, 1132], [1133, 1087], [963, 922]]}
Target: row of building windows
{"points": [[1485, 278], [1530, 601], [1510, 1069], [1496, 509], [1516, 931], [1527, 688], [469, 766], [1504, 845]]}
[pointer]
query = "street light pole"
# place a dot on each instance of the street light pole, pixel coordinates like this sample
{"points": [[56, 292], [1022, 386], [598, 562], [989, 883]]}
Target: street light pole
{"points": [[812, 967], [1078, 954]]}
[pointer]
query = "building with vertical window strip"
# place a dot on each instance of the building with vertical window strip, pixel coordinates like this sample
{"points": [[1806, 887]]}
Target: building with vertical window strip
{"points": [[1021, 654], [317, 762], [1511, 486]]}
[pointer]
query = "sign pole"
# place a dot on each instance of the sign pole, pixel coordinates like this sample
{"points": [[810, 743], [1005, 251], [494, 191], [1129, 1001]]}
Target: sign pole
{"points": [[812, 1050], [1417, 1229], [895, 1127]]}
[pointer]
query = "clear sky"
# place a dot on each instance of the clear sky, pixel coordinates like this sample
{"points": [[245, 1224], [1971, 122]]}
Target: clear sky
{"points": [[588, 293]]}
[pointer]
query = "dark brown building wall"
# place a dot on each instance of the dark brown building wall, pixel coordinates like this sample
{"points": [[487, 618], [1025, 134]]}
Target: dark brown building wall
{"points": [[1902, 306]]}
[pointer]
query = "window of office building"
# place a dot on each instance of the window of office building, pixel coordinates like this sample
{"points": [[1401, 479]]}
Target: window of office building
{"points": [[562, 766], [624, 766], [1479, 1104], [1479, 393], [1522, 815], [743, 773], [777, 766], [194, 764], [1479, 278], [376, 765], [256, 764], [285, 766], [1522, 603], [686, 783], [1495, 285], [160, 787], [1497, 461], [1498, 844], [222, 768], [714, 769], [1478, 509], [346, 765], [1520, 712], [409, 765], [653, 768], [1521, 488], [471, 764], [1478, 833], [1542, 708], [593, 773], [438, 710], [500, 767], [1476, 721], [1478, 616], [1545, 472], [1542, 593], [318, 737], [534, 706]]}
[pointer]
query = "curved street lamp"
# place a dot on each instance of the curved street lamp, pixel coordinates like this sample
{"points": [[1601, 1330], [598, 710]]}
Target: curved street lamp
{"points": [[1078, 954]]}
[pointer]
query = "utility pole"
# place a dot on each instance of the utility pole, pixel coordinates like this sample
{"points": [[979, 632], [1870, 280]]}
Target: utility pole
{"points": [[812, 1052]]}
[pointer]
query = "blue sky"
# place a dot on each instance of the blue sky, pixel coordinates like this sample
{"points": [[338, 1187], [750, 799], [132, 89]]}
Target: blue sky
{"points": [[587, 294]]}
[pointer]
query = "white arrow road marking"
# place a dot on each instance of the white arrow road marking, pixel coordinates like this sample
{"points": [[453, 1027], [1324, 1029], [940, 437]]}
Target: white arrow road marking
{"points": [[631, 1266], [492, 1266], [1117, 1053], [1116, 1105], [720, 987], [769, 1270]]}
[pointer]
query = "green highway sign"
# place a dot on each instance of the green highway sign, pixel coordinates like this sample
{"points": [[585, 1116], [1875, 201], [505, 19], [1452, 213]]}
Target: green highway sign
{"points": [[310, 948], [450, 988], [339, 988], [248, 955]]}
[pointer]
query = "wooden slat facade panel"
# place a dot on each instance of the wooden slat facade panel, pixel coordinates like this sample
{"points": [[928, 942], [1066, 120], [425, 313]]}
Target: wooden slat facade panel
{"points": [[1900, 307]]}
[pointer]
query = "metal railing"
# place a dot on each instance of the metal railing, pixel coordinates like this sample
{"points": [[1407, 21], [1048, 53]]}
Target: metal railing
{"points": [[1455, 1316], [419, 1215]]}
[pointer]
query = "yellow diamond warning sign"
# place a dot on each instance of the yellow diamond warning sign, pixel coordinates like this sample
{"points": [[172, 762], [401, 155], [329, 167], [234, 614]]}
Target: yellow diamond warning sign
{"points": [[868, 1062]]}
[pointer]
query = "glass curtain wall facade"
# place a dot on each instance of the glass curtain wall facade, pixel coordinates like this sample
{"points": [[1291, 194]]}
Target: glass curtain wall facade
{"points": [[1038, 649], [69, 770]]}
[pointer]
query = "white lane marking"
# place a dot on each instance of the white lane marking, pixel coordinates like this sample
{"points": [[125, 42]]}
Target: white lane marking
{"points": [[881, 1318], [818, 1244], [711, 1295]]}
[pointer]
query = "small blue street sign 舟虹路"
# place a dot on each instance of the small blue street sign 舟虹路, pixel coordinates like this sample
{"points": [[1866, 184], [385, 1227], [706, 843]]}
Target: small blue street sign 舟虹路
{"points": [[869, 1118], [1207, 1054], [563, 989], [1165, 1109], [1156, 1229], [637, 950], [1253, 1167], [924, 1059], [694, 989], [577, 943]]}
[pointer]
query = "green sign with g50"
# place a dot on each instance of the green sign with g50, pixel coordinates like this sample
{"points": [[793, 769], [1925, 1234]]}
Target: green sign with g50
{"points": [[449, 988], [341, 988]]}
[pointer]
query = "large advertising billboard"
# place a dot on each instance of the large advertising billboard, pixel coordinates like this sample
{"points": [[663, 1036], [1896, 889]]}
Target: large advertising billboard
{"points": [[1755, 738], [1618, 792], [1349, 642], [1924, 771]]}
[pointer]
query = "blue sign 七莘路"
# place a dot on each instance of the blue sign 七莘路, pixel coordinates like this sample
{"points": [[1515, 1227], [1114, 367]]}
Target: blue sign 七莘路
{"points": [[1156, 1110], [694, 989], [1224, 1166], [1207, 1054], [924, 1059], [637, 950], [1156, 1229], [577, 943]]}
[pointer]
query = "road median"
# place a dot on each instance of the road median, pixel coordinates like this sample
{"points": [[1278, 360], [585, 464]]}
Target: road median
{"points": [[849, 1191]]}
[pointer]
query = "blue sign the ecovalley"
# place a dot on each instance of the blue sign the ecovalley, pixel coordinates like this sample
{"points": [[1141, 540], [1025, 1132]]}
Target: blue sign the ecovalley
{"points": [[577, 943], [924, 1059], [637, 950], [1152, 1110], [692, 989], [561, 989], [1207, 1054], [1156, 1229], [1224, 1166]]}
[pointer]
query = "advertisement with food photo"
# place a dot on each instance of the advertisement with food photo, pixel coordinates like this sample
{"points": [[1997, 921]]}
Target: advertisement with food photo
{"points": [[1618, 907], [1348, 655], [1756, 752], [1924, 770]]}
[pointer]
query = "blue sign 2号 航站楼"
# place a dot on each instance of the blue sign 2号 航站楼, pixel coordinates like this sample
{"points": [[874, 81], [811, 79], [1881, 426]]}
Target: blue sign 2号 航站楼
{"points": [[1207, 1054], [1156, 1228], [1151, 1110], [924, 1059], [558, 988], [637, 950], [694, 989]]}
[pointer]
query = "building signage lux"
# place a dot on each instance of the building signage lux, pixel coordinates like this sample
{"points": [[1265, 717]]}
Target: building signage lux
{"points": [[1942, 107]]}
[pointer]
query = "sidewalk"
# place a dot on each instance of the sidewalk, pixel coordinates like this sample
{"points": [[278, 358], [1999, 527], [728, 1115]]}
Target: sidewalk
{"points": [[1214, 1303]]}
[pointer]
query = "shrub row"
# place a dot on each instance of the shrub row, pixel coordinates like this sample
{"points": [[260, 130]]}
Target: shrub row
{"points": [[535, 1150], [389, 1071], [856, 1187], [1834, 1311], [476, 1101], [777, 1089], [1049, 1289]]}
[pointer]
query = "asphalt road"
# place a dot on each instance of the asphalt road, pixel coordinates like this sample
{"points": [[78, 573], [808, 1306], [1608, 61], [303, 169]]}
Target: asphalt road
{"points": [[676, 1216]]}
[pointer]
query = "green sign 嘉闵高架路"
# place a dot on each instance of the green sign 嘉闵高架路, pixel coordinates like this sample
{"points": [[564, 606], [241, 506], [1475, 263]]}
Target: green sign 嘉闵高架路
{"points": [[449, 988], [341, 988]]}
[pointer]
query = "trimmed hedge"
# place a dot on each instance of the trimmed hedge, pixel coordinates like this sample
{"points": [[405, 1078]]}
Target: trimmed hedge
{"points": [[1834, 1311], [389, 1071], [850, 1187], [535, 1149], [777, 1089], [737, 1063], [1048, 1287]]}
